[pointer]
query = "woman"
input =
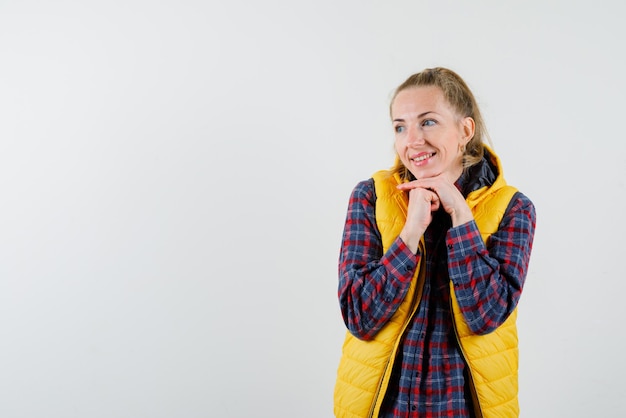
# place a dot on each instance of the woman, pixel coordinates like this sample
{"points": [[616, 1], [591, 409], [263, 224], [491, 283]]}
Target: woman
{"points": [[433, 260]]}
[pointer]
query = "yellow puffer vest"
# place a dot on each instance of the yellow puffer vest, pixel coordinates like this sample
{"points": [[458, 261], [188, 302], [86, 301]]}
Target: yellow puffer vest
{"points": [[365, 367]]}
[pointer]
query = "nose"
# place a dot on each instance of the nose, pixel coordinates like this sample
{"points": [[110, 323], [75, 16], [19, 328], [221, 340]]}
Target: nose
{"points": [[415, 136]]}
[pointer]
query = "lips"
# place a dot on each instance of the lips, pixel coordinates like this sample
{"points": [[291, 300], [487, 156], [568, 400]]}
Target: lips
{"points": [[422, 157]]}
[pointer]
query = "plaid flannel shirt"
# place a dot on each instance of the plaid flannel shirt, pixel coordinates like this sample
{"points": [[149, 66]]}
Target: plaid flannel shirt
{"points": [[429, 378]]}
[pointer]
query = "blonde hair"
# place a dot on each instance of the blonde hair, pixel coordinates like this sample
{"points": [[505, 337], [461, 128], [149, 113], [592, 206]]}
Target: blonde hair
{"points": [[460, 97]]}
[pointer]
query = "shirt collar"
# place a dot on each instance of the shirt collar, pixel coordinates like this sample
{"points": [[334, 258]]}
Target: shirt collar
{"points": [[477, 176]]}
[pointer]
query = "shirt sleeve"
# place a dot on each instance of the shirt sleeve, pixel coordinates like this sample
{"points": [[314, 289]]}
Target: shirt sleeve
{"points": [[371, 284], [488, 279]]}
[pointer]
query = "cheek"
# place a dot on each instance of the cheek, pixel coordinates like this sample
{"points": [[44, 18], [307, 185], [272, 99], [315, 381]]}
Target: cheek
{"points": [[399, 150], [399, 145]]}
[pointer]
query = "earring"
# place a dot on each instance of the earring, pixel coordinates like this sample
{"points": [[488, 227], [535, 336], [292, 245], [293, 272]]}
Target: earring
{"points": [[462, 148]]}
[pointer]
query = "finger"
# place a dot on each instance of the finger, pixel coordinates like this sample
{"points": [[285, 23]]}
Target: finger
{"points": [[409, 187], [434, 205], [433, 199], [406, 186]]}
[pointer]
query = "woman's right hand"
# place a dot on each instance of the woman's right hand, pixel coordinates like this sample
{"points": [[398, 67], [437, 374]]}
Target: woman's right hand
{"points": [[422, 203]]}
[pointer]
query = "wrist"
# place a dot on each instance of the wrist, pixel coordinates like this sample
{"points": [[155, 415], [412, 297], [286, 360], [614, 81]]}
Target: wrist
{"points": [[460, 217], [411, 242]]}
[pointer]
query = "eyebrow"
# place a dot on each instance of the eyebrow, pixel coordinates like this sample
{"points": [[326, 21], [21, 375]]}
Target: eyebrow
{"points": [[421, 115]]}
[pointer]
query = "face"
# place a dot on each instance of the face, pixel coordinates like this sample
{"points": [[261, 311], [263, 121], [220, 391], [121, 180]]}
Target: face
{"points": [[429, 134]]}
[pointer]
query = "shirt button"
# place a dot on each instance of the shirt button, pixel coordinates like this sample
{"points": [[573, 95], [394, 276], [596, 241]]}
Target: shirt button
{"points": [[413, 407], [450, 246]]}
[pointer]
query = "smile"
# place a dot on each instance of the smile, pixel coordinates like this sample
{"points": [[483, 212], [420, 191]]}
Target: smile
{"points": [[423, 157]]}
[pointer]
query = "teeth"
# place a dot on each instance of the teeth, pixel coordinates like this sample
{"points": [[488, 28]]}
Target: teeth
{"points": [[423, 157]]}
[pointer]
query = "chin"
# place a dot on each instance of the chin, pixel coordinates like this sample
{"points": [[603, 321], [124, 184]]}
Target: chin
{"points": [[424, 174]]}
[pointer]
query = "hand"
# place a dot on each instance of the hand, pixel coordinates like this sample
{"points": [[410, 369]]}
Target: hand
{"points": [[447, 195], [422, 202]]}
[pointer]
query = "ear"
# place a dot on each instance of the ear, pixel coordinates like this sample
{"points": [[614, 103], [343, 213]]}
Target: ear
{"points": [[468, 126]]}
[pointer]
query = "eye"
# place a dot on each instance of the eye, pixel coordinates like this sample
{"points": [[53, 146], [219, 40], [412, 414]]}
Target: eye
{"points": [[399, 129], [429, 122]]}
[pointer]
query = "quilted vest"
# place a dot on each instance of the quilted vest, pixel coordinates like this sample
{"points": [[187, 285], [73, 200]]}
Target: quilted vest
{"points": [[365, 366]]}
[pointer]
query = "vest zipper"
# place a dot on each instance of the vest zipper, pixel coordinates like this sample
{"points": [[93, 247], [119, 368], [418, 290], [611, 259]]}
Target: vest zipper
{"points": [[475, 403], [416, 301], [370, 414]]}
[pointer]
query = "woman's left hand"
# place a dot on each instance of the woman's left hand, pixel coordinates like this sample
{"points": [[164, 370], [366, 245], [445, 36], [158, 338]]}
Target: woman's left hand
{"points": [[450, 197]]}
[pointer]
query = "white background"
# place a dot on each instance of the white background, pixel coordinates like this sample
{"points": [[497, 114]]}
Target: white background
{"points": [[174, 177]]}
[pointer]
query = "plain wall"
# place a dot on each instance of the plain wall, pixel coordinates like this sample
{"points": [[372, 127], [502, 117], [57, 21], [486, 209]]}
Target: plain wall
{"points": [[174, 177]]}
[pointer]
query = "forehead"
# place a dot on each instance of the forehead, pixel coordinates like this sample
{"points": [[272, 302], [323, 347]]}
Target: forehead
{"points": [[419, 100]]}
